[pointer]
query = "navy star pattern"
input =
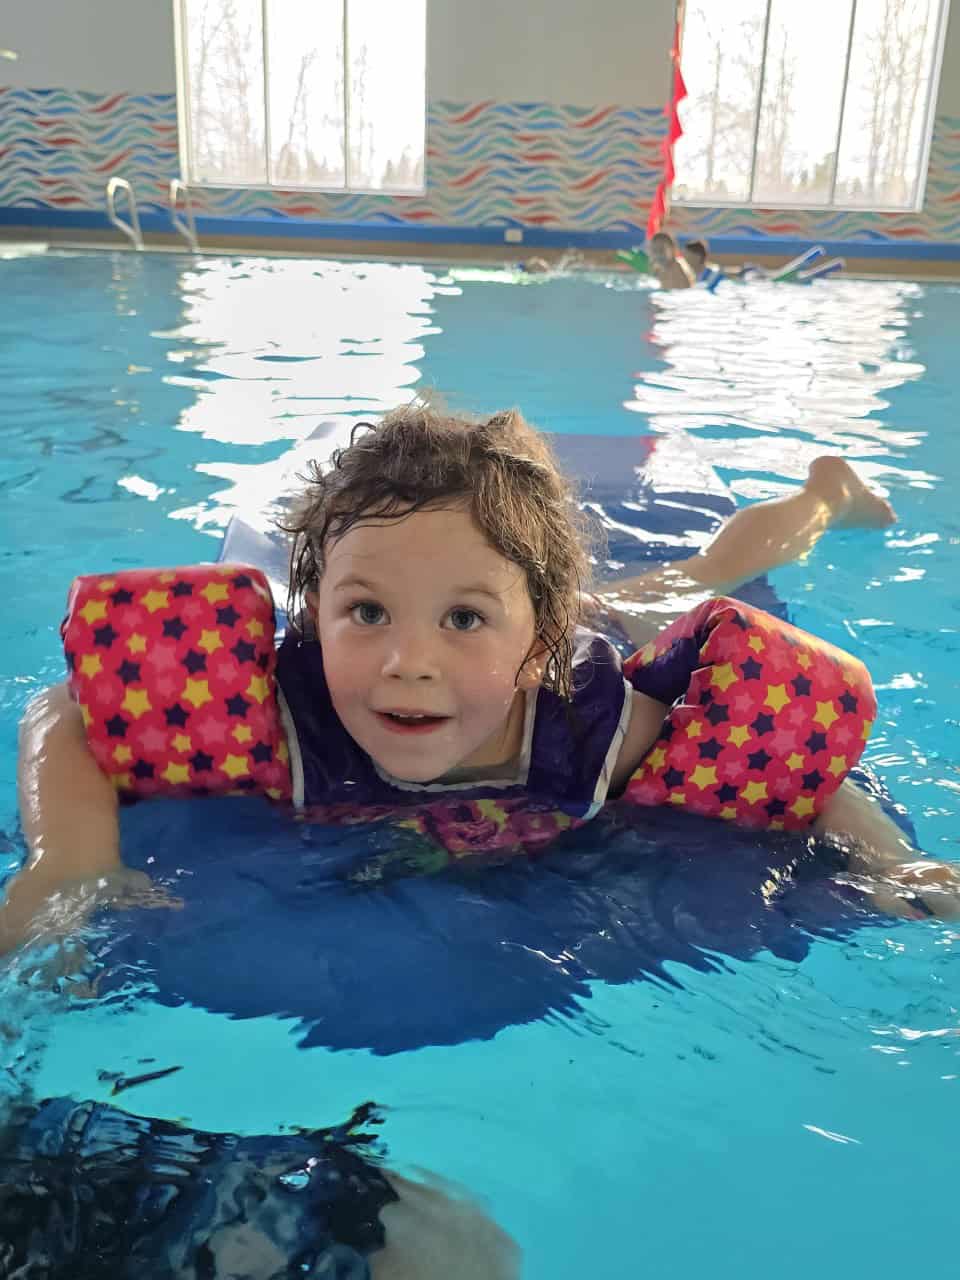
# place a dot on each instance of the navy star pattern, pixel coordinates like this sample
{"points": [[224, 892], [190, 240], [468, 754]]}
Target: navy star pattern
{"points": [[751, 736], [164, 716]]}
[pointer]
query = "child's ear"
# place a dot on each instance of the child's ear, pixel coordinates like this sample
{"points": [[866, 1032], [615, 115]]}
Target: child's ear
{"points": [[534, 667]]}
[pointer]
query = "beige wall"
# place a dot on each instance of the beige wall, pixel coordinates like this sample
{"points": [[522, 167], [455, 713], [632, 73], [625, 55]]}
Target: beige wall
{"points": [[579, 52], [574, 52], [562, 51], [99, 45], [948, 99]]}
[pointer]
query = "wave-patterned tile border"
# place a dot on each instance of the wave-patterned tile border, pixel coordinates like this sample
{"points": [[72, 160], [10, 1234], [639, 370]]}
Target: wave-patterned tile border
{"points": [[489, 165], [59, 147]]}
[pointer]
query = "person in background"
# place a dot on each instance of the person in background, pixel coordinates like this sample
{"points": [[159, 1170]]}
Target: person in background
{"points": [[670, 267]]}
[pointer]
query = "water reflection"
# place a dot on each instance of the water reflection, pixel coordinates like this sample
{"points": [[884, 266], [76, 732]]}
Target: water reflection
{"points": [[278, 352], [769, 376]]}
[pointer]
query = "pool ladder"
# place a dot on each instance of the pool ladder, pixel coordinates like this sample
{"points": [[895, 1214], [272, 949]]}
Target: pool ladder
{"points": [[178, 194]]}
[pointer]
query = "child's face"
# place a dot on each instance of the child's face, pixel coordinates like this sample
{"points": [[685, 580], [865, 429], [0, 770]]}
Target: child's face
{"points": [[424, 627]]}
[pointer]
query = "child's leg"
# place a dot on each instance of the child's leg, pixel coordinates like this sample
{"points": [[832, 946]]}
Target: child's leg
{"points": [[753, 541]]}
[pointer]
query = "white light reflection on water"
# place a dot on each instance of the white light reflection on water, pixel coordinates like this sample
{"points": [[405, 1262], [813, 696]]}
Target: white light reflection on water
{"points": [[288, 352], [769, 376]]}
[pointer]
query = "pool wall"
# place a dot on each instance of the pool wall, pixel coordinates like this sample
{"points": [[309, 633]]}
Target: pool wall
{"points": [[539, 124]]}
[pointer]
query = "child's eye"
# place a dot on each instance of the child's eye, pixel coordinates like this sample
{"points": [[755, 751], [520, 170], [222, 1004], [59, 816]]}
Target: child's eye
{"points": [[368, 613], [464, 619]]}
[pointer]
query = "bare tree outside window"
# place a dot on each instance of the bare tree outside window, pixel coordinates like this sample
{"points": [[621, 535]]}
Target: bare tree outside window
{"points": [[822, 104], [327, 95]]}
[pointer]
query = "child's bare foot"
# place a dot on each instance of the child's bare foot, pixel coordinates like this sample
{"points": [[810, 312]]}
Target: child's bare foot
{"points": [[852, 503]]}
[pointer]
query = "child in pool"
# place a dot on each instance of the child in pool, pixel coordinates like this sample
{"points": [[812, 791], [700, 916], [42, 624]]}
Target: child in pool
{"points": [[696, 254], [671, 268], [440, 563]]}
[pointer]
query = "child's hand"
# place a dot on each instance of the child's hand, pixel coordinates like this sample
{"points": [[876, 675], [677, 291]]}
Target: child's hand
{"points": [[32, 913], [917, 889], [123, 889]]}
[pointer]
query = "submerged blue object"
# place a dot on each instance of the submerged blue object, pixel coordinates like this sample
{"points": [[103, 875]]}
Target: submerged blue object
{"points": [[335, 927], [89, 1192]]}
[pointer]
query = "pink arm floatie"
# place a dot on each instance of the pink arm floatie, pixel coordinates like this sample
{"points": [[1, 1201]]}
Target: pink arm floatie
{"points": [[765, 723], [174, 672]]}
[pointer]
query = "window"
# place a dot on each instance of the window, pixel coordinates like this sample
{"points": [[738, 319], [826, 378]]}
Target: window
{"points": [[824, 103], [303, 93]]}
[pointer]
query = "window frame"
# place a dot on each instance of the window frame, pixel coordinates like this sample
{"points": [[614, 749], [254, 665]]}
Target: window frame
{"points": [[185, 133], [829, 206]]}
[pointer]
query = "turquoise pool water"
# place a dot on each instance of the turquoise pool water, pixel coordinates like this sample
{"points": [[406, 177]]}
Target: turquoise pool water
{"points": [[743, 1109]]}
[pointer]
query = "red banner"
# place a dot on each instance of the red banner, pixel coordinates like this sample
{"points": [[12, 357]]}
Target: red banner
{"points": [[658, 209]]}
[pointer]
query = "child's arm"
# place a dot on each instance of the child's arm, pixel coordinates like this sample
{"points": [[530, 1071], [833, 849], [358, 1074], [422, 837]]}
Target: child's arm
{"points": [[68, 810], [646, 721], [878, 849]]}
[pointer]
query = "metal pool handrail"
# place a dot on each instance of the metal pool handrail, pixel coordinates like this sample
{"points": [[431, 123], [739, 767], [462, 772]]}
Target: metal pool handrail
{"points": [[130, 229], [187, 229]]}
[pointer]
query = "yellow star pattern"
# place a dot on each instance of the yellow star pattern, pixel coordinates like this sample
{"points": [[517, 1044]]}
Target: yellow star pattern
{"points": [[210, 641], [235, 766], [694, 728], [86, 716], [728, 812], [283, 751], [802, 806], [137, 643], [258, 688], [94, 610], [677, 797], [181, 742], [803, 659], [254, 627], [776, 824], [154, 600], [215, 591], [739, 734], [137, 702], [197, 692], [754, 791], [795, 760], [777, 697], [647, 653], [90, 664], [703, 776], [837, 765], [122, 781], [756, 643], [176, 773], [865, 731], [825, 714], [274, 793], [243, 733], [106, 584], [122, 754], [656, 758], [167, 576], [723, 676]]}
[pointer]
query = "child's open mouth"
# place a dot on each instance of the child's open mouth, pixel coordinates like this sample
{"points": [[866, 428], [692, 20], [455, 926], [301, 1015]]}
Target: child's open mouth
{"points": [[410, 722]]}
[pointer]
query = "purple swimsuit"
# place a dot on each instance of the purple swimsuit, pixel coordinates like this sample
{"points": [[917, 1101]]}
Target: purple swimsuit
{"points": [[565, 764]]}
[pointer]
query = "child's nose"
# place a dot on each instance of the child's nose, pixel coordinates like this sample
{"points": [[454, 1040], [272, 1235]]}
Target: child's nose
{"points": [[411, 655]]}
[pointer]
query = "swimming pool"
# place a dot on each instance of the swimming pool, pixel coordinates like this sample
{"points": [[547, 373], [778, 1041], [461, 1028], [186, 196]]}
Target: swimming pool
{"points": [[640, 1063]]}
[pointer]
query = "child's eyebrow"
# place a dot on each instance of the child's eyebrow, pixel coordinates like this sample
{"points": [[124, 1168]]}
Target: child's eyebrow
{"points": [[356, 583], [353, 583]]}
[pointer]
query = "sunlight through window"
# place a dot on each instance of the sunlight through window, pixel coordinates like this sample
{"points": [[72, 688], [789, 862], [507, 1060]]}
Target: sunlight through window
{"points": [[828, 103], [280, 94]]}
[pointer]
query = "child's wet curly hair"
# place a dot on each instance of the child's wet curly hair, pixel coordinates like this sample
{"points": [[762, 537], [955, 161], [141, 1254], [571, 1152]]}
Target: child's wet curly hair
{"points": [[501, 470]]}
